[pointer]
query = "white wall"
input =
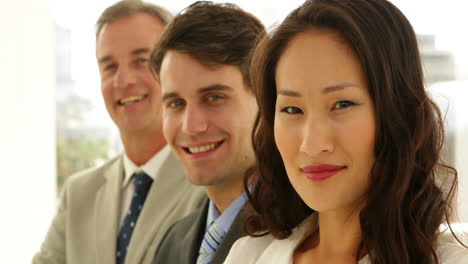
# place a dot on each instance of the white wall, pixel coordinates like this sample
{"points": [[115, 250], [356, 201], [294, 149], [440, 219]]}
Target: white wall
{"points": [[459, 91], [452, 97], [27, 135]]}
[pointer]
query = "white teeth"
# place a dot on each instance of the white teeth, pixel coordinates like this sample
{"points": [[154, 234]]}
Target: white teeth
{"points": [[202, 148], [131, 99]]}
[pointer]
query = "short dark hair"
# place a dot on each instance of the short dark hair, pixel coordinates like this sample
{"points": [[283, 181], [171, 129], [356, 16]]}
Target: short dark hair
{"points": [[127, 8], [405, 204], [213, 34]]}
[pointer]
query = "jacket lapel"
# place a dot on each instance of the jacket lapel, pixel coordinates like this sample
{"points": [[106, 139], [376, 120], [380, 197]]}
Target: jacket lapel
{"points": [[196, 234], [107, 213], [281, 251], [182, 241], [155, 209], [235, 232]]}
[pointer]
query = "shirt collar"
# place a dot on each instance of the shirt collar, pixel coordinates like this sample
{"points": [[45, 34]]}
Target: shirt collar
{"points": [[224, 221], [151, 167]]}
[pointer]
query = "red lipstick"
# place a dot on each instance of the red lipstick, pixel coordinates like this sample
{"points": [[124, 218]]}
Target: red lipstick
{"points": [[321, 172]]}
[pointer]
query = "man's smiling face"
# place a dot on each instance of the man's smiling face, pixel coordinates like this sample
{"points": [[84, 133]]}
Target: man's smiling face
{"points": [[131, 93], [208, 114]]}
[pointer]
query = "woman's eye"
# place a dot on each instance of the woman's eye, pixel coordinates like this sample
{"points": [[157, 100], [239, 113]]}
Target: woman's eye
{"points": [[342, 104], [292, 110]]}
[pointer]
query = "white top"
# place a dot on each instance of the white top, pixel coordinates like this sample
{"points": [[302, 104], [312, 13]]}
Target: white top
{"points": [[151, 167], [267, 249]]}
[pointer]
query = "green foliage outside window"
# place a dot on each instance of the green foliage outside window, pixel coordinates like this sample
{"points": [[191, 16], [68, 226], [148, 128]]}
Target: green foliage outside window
{"points": [[78, 154]]}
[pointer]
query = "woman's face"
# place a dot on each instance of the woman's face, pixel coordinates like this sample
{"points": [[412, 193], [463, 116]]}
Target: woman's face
{"points": [[324, 121]]}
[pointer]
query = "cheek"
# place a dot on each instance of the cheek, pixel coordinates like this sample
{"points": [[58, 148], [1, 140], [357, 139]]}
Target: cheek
{"points": [[252, 109], [367, 137], [169, 127], [359, 138], [230, 117], [284, 141], [106, 90], [248, 119], [148, 79]]}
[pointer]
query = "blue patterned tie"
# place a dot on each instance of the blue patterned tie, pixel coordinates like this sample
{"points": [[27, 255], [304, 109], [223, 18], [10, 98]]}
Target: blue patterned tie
{"points": [[142, 184], [211, 241]]}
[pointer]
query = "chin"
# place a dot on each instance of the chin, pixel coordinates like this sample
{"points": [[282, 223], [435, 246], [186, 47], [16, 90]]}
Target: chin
{"points": [[320, 205], [197, 178]]}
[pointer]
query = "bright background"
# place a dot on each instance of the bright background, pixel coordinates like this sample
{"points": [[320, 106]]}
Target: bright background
{"points": [[51, 86]]}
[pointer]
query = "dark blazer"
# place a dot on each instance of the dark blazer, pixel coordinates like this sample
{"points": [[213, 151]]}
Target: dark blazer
{"points": [[182, 241]]}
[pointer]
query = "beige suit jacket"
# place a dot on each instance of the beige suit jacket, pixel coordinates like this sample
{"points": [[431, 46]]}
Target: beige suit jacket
{"points": [[86, 226]]}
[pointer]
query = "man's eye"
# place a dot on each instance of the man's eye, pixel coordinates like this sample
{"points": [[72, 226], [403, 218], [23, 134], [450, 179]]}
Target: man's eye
{"points": [[142, 60], [109, 67], [292, 110], [214, 97], [342, 105], [175, 104]]}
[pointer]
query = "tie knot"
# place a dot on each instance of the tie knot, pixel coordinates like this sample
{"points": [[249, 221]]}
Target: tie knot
{"points": [[142, 182]]}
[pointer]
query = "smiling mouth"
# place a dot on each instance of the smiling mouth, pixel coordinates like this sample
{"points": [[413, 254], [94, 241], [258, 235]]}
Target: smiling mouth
{"points": [[132, 99], [201, 149]]}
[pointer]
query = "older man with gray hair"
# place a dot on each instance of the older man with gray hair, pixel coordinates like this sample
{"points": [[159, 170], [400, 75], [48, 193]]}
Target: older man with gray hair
{"points": [[118, 212]]}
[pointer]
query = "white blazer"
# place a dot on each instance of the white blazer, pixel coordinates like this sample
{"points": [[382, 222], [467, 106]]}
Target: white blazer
{"points": [[267, 249]]}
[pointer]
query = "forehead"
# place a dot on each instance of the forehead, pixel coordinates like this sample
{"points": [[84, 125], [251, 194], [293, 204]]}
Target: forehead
{"points": [[183, 74], [318, 57], [128, 33]]}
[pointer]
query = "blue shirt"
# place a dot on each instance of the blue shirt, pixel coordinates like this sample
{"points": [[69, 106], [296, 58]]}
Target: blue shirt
{"points": [[224, 221]]}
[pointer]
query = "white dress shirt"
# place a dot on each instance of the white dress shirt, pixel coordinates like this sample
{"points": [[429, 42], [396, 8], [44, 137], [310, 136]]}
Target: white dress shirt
{"points": [[151, 167]]}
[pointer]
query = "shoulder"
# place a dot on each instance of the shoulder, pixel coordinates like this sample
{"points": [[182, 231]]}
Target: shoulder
{"points": [[254, 242], [189, 220], [89, 181], [171, 173], [177, 243], [267, 249], [186, 227], [95, 174], [172, 166], [172, 182], [450, 251], [248, 249]]}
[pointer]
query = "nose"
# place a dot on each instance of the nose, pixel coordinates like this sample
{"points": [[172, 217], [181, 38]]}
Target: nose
{"points": [[317, 138], [194, 121], [124, 77]]}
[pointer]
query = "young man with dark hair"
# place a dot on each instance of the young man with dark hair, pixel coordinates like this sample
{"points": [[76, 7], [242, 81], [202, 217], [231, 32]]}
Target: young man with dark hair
{"points": [[202, 62], [118, 212]]}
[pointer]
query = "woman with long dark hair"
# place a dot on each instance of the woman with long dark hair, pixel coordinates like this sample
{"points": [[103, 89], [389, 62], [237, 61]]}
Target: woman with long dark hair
{"points": [[347, 144]]}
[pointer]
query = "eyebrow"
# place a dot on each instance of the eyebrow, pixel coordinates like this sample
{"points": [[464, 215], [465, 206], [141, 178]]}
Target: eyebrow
{"points": [[214, 87], [338, 87], [289, 93], [134, 52], [210, 88], [328, 89]]}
